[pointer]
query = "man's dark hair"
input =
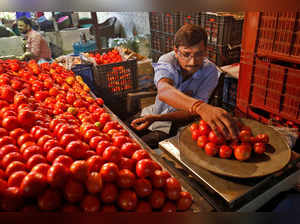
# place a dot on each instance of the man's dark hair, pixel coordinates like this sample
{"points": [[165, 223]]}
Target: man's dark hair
{"points": [[189, 35], [25, 20]]}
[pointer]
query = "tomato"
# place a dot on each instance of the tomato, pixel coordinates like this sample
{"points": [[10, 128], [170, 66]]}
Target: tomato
{"points": [[3, 132], [14, 167], [104, 117], [157, 199], [102, 145], [95, 140], [11, 200], [204, 129], [212, 137], [94, 182], [79, 170], [57, 175], [156, 166], [50, 200], [95, 163], [99, 101], [31, 150], [243, 127], [112, 154], [195, 134], [89, 153], [259, 148], [169, 207], [26, 117], [54, 122], [143, 207], [140, 154], [25, 138], [20, 99], [143, 187], [34, 160], [263, 138], [42, 140], [90, 203], [76, 149], [127, 200], [41, 168], [242, 152], [109, 193], [184, 202], [41, 132], [202, 140], [10, 123], [211, 149], [225, 152], [7, 149], [74, 191], [66, 161], [16, 178], [193, 127], [126, 163], [33, 184], [158, 179], [245, 136], [126, 179], [119, 141], [65, 129], [109, 172], [128, 149], [54, 153], [144, 168], [7, 93], [16, 133], [172, 188], [10, 157]]}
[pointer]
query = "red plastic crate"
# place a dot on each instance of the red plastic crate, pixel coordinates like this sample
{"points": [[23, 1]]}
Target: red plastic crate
{"points": [[170, 22], [155, 19], [168, 41], [190, 18], [157, 42]]}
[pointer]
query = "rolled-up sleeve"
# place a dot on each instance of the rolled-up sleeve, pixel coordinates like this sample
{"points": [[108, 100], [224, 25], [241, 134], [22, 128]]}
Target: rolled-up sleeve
{"points": [[163, 70]]}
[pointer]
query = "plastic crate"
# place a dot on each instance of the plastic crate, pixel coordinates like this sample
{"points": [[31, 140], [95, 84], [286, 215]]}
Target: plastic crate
{"points": [[222, 55], [157, 42], [89, 46], [278, 35], [171, 22], [155, 55], [86, 72], [155, 19], [221, 29], [190, 18], [168, 42], [230, 90]]}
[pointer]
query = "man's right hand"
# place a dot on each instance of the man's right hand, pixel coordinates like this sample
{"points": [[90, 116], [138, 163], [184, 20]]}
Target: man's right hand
{"points": [[220, 121], [144, 122]]}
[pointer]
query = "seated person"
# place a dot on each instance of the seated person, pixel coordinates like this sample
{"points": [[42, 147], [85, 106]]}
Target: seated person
{"points": [[184, 79]]}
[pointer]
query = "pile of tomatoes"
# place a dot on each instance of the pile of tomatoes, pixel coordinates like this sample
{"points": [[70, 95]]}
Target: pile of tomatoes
{"points": [[60, 150], [112, 56], [242, 148]]}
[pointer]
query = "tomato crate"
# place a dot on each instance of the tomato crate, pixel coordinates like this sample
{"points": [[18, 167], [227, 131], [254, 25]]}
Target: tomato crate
{"points": [[157, 41], [171, 22], [272, 86], [155, 55], [155, 19], [222, 55], [168, 42], [278, 35], [190, 18], [222, 29]]}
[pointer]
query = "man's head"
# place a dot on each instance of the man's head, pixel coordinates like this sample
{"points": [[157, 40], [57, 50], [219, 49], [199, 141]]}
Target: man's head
{"points": [[190, 47], [24, 24]]}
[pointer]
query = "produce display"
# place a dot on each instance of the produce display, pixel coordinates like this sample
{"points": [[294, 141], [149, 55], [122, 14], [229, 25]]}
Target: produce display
{"points": [[112, 56], [241, 148], [60, 150]]}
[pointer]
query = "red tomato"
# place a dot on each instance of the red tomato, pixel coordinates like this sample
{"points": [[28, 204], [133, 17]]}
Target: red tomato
{"points": [[26, 145], [95, 163], [66, 161], [158, 179], [143, 207], [144, 168], [41, 132], [211, 149], [26, 118], [109, 193], [25, 138], [169, 207], [10, 123], [94, 182], [157, 199], [89, 153], [74, 191], [140, 154], [193, 127], [259, 148], [3, 132], [202, 140], [126, 179], [34, 160], [33, 184], [263, 138], [54, 153], [14, 167], [109, 172], [90, 203], [16, 133], [31, 150], [245, 136], [112, 154], [143, 187], [10, 157], [225, 152], [102, 145], [195, 134], [7, 149], [95, 140], [172, 188], [76, 149], [50, 200], [42, 140], [11, 200], [119, 141], [126, 163], [128, 149], [41, 168], [242, 152], [16, 178], [204, 129], [127, 200], [79, 170], [215, 139], [57, 175], [184, 202], [104, 117]]}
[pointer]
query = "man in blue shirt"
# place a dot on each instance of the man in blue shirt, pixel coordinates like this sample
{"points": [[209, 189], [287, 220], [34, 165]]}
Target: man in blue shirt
{"points": [[184, 79]]}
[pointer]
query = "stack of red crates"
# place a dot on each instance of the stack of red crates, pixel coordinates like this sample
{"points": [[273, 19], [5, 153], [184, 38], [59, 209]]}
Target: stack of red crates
{"points": [[269, 80]]}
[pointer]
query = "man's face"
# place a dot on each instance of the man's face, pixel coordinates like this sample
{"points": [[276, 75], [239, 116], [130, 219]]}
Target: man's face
{"points": [[191, 58], [22, 27]]}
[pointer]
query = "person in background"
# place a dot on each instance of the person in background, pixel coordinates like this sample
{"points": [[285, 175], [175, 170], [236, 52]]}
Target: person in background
{"points": [[36, 46], [184, 78]]}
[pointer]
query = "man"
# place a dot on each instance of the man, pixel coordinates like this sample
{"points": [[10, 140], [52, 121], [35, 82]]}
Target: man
{"points": [[36, 46], [184, 79]]}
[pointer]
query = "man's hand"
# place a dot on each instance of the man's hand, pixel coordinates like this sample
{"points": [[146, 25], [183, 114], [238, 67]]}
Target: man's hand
{"points": [[220, 121], [144, 122]]}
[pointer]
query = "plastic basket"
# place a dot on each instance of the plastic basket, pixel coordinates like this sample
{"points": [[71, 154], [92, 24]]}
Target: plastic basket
{"points": [[86, 72], [168, 42], [190, 18], [157, 42], [155, 19], [171, 22], [222, 55]]}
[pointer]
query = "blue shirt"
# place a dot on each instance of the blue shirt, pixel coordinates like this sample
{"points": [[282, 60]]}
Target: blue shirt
{"points": [[199, 85]]}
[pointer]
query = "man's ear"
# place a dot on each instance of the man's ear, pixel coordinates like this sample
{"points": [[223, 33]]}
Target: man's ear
{"points": [[176, 51]]}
